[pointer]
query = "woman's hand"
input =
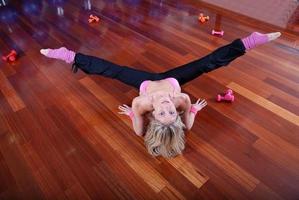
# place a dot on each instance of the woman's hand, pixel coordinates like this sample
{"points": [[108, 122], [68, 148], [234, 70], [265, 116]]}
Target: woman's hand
{"points": [[200, 104], [137, 119], [125, 110]]}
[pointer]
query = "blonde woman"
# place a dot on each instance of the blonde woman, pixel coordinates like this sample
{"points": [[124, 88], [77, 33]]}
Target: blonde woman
{"points": [[162, 112]]}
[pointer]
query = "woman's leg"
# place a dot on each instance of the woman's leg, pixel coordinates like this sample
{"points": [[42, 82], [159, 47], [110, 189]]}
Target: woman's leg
{"points": [[94, 65], [133, 77], [127, 75], [220, 57]]}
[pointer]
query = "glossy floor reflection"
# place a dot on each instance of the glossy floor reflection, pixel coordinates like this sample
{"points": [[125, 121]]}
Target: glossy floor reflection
{"points": [[276, 12]]}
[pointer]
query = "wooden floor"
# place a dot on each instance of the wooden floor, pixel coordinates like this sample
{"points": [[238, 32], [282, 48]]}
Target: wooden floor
{"points": [[61, 136]]}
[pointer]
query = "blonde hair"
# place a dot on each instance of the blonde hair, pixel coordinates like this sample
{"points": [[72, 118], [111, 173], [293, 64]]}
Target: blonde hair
{"points": [[165, 140]]}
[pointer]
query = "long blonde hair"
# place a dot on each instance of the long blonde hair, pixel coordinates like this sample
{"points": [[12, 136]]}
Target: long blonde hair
{"points": [[165, 140]]}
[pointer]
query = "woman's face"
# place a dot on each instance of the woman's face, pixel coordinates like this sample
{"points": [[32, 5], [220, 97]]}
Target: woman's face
{"points": [[164, 110]]}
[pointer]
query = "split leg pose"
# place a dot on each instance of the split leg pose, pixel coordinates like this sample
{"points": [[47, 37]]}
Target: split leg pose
{"points": [[161, 100]]}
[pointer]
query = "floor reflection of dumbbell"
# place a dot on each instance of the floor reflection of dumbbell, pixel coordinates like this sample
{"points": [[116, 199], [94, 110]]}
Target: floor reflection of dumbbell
{"points": [[217, 32], [10, 57], [228, 96]]}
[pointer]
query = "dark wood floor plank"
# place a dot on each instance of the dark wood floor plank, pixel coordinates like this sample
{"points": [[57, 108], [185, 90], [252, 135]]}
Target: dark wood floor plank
{"points": [[5, 108], [24, 181], [228, 187], [284, 104], [7, 180], [282, 87]]}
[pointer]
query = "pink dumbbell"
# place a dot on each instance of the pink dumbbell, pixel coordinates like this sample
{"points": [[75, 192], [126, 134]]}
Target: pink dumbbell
{"points": [[217, 32], [228, 96]]}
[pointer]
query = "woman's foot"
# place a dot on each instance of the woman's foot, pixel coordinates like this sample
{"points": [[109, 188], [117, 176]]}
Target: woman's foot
{"points": [[256, 39], [62, 54]]}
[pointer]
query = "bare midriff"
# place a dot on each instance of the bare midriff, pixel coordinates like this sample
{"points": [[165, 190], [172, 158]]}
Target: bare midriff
{"points": [[160, 87]]}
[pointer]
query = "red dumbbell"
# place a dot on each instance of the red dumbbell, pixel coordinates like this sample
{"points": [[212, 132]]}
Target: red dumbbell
{"points": [[220, 33], [10, 57], [202, 18], [228, 96], [93, 18]]}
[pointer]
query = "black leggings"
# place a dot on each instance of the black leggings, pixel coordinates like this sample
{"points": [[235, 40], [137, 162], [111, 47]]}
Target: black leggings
{"points": [[185, 73]]}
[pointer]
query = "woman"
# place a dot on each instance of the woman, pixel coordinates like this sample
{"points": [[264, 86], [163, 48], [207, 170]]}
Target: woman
{"points": [[161, 101]]}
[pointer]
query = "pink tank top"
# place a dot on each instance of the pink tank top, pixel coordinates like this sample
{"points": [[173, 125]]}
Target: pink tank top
{"points": [[172, 81]]}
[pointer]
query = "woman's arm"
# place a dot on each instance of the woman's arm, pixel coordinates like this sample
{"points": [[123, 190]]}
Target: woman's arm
{"points": [[190, 110], [140, 106], [138, 123], [136, 117], [185, 106]]}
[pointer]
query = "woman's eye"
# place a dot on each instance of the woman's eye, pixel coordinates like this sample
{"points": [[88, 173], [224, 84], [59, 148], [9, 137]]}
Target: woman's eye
{"points": [[171, 112], [162, 113]]}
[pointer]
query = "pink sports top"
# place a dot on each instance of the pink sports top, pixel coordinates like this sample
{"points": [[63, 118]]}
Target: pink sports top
{"points": [[172, 81]]}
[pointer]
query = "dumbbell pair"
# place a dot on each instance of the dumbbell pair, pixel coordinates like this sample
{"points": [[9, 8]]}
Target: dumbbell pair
{"points": [[202, 18], [93, 18], [10, 57], [228, 96]]}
